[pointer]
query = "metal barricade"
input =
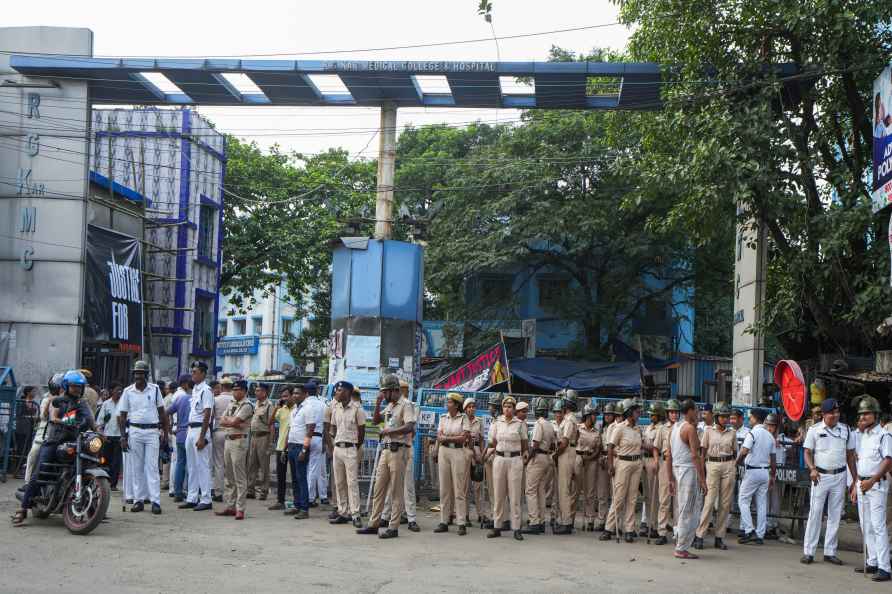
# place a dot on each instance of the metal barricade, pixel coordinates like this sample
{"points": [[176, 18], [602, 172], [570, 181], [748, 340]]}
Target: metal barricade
{"points": [[8, 393]]}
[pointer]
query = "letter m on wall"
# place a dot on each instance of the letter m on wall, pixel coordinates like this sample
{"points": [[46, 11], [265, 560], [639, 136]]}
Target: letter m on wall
{"points": [[28, 219]]}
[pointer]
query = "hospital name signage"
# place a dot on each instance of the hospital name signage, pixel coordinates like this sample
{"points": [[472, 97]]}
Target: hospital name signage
{"points": [[410, 66]]}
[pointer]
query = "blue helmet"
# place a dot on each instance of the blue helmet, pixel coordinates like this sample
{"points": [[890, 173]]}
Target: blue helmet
{"points": [[73, 378]]}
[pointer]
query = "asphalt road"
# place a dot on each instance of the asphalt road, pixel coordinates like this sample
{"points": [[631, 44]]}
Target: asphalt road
{"points": [[196, 552]]}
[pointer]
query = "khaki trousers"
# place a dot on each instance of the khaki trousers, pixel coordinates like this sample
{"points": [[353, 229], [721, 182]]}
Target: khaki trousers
{"points": [[258, 464], [625, 492], [453, 474], [652, 492], [664, 519], [566, 487], [720, 478], [538, 477], [586, 472], [217, 473], [346, 480], [508, 478], [491, 491], [389, 481], [602, 479], [551, 487], [234, 470], [475, 489]]}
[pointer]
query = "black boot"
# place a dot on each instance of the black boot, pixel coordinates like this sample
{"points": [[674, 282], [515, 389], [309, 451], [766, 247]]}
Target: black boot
{"points": [[534, 529], [661, 540], [518, 535], [606, 535], [630, 537], [698, 543], [441, 527], [720, 544], [494, 533]]}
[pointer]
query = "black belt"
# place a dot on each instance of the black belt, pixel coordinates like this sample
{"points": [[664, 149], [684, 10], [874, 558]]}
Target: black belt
{"points": [[719, 458], [584, 452], [317, 435], [145, 425], [236, 436], [630, 458], [396, 444], [825, 471], [507, 454], [758, 467], [259, 433], [540, 451], [194, 425], [456, 446], [869, 478], [345, 444]]}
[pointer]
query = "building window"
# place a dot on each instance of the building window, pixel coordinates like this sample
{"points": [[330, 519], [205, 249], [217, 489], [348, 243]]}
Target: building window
{"points": [[495, 290], [221, 328], [287, 327], [206, 216], [672, 375], [204, 324], [257, 326], [239, 327], [552, 291]]}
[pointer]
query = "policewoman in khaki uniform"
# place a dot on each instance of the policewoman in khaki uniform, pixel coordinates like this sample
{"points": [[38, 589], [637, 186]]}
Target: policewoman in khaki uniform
{"points": [[396, 439], [348, 426], [664, 492], [610, 526], [507, 448], [588, 447], [602, 478], [495, 410], [719, 444], [652, 471], [259, 450], [625, 465], [453, 434], [474, 452], [566, 463], [539, 467], [234, 424]]}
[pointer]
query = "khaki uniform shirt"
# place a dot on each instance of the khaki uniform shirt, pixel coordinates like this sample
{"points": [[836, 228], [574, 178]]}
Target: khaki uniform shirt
{"points": [[650, 436], [221, 405], [451, 426], [475, 426], [508, 434], [242, 410], [545, 435], [589, 440], [719, 443], [661, 441], [396, 415], [346, 421], [92, 398], [570, 430], [626, 441], [262, 416]]}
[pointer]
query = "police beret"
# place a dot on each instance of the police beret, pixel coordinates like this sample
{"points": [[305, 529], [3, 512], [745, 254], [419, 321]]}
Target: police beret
{"points": [[243, 384], [310, 387], [343, 384], [264, 386], [707, 407], [829, 405]]}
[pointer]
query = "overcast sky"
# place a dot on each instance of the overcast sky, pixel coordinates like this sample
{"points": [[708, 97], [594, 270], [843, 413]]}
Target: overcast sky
{"points": [[235, 29]]}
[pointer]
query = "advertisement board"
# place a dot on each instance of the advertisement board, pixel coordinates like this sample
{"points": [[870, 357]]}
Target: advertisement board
{"points": [[881, 124]]}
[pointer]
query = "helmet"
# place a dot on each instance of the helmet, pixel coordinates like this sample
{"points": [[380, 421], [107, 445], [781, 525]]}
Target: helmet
{"points": [[55, 383], [390, 382], [868, 404], [610, 408], [588, 409], [540, 404], [771, 419], [570, 404], [656, 409], [571, 394], [495, 399], [141, 366], [629, 404], [721, 409], [558, 405], [673, 404], [73, 378]]}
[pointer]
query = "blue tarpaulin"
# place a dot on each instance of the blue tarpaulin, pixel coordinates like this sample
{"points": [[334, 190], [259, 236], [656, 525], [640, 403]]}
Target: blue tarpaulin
{"points": [[583, 376]]}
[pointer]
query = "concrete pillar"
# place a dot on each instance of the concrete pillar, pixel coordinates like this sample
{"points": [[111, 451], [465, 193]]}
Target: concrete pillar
{"points": [[749, 294], [386, 168]]}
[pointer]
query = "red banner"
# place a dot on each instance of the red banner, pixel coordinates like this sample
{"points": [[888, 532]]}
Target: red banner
{"points": [[486, 369]]}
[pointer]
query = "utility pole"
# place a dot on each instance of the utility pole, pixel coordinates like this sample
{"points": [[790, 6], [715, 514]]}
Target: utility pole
{"points": [[386, 168]]}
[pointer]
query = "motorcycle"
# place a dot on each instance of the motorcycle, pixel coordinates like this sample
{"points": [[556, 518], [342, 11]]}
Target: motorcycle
{"points": [[76, 484]]}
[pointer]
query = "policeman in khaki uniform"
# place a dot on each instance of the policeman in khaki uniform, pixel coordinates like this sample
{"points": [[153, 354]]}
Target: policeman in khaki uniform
{"points": [[566, 463], [719, 446], [453, 433], [602, 478], [508, 448], [495, 410], [551, 483], [218, 439], [606, 435], [474, 452], [588, 449], [661, 451], [348, 425], [624, 461], [542, 447], [234, 425], [259, 450], [399, 425], [651, 471]]}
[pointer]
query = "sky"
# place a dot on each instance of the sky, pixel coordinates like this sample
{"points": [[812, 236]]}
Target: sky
{"points": [[200, 28]]}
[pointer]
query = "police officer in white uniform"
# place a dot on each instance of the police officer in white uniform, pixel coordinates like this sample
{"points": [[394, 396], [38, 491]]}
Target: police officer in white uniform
{"points": [[760, 465], [317, 473], [141, 413], [874, 453], [198, 444], [829, 452]]}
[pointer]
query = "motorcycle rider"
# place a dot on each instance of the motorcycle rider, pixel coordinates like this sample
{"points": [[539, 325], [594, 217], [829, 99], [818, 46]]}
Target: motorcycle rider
{"points": [[70, 416]]}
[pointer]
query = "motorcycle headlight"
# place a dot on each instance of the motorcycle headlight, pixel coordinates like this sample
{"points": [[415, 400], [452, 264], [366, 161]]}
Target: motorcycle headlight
{"points": [[94, 445]]}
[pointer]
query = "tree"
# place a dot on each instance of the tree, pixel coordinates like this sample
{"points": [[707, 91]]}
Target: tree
{"points": [[766, 110]]}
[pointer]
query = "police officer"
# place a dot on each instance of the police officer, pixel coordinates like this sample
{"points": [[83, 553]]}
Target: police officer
{"points": [[221, 405], [198, 446], [542, 445], [566, 462], [651, 472], [874, 455], [474, 452], [141, 413], [829, 450], [719, 446], [588, 449], [495, 410], [259, 448], [625, 465], [399, 420], [603, 480], [610, 527], [508, 445], [348, 424], [664, 473], [453, 433], [234, 423], [760, 467]]}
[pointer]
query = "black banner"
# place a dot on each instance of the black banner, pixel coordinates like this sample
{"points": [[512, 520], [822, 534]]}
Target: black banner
{"points": [[113, 289]]}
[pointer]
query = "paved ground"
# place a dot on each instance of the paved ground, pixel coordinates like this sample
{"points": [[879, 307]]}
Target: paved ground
{"points": [[196, 552]]}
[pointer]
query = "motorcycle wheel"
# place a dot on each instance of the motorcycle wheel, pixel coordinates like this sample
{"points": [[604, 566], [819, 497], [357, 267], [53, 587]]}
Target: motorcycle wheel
{"points": [[83, 518]]}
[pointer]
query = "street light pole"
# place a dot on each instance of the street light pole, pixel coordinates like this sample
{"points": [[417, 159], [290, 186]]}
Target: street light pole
{"points": [[386, 168]]}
